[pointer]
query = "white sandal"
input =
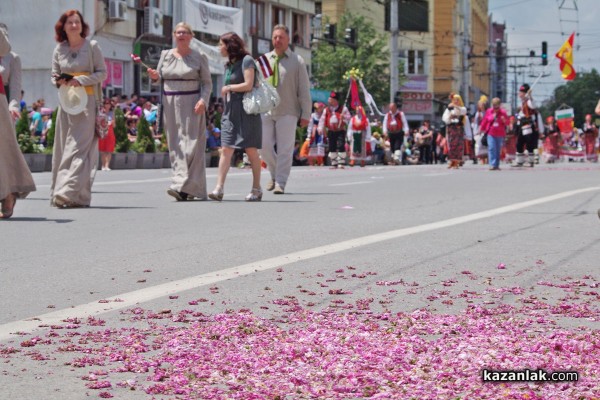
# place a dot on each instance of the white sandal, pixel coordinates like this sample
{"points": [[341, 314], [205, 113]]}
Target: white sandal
{"points": [[255, 195], [216, 194]]}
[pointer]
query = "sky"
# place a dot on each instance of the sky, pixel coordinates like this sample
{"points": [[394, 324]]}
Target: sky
{"points": [[529, 22]]}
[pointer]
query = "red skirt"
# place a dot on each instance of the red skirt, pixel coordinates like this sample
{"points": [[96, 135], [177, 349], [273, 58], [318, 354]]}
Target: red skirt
{"points": [[552, 146], [510, 144], [107, 145], [456, 142]]}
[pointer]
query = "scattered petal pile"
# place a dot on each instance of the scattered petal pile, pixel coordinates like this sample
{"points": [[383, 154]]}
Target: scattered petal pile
{"points": [[344, 351]]}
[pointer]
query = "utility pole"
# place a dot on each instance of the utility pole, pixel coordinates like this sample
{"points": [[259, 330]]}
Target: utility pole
{"points": [[393, 49], [466, 50], [515, 84]]}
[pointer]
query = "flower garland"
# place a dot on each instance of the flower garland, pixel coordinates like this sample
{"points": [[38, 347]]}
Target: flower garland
{"points": [[354, 73]]}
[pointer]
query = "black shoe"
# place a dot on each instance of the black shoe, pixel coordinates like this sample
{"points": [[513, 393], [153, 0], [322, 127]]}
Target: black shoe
{"points": [[179, 196]]}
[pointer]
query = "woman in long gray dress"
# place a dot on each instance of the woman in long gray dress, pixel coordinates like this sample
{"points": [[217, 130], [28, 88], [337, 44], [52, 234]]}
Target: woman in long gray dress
{"points": [[186, 91], [75, 154], [239, 130], [15, 178]]}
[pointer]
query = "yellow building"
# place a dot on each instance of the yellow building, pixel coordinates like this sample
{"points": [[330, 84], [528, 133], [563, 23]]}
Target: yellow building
{"points": [[370, 9], [454, 68]]}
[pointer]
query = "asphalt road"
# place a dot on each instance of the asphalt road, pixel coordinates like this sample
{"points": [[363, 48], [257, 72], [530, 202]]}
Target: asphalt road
{"points": [[136, 246]]}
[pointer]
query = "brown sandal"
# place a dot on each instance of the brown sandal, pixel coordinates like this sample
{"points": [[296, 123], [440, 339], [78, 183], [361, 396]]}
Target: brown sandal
{"points": [[8, 205]]}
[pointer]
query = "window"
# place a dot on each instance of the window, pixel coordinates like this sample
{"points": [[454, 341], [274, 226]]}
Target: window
{"points": [[299, 29], [413, 16], [278, 16], [414, 61], [257, 19]]}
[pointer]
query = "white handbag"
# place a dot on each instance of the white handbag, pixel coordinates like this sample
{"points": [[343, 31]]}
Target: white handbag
{"points": [[262, 98]]}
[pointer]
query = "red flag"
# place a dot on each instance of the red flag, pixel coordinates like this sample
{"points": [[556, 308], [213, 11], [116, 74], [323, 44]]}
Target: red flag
{"points": [[565, 55], [354, 98]]}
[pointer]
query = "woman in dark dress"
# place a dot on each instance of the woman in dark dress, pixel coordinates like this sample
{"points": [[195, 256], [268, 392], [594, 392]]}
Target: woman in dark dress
{"points": [[239, 130]]}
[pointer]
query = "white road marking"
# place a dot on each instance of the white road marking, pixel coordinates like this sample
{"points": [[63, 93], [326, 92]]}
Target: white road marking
{"points": [[153, 180], [132, 299], [350, 183]]}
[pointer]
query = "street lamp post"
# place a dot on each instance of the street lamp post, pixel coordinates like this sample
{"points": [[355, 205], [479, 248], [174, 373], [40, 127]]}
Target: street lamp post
{"points": [[393, 48]]}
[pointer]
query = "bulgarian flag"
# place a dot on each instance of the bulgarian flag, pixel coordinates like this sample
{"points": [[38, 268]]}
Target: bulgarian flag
{"points": [[565, 55]]}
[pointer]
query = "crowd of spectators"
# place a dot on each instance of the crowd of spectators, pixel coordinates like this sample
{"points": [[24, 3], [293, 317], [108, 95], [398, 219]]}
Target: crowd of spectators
{"points": [[425, 144]]}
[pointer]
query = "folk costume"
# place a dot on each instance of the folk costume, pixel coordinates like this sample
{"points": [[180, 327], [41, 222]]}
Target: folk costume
{"points": [[15, 176], [395, 126], [334, 123], [186, 80], [75, 153], [552, 139], [529, 128], [10, 69], [316, 144], [359, 133], [590, 135], [457, 129], [481, 150]]}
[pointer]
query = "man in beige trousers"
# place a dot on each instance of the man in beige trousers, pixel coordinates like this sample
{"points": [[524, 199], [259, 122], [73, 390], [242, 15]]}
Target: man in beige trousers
{"points": [[290, 77]]}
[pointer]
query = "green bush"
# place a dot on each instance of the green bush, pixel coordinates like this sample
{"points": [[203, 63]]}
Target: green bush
{"points": [[26, 141], [120, 129], [51, 132], [164, 147], [144, 142]]}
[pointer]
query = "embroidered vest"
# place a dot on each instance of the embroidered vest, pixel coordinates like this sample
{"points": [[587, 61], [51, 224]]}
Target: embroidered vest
{"points": [[394, 123], [334, 121], [359, 124]]}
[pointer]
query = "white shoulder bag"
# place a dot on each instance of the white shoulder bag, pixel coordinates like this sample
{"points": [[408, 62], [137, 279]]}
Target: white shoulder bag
{"points": [[262, 98]]}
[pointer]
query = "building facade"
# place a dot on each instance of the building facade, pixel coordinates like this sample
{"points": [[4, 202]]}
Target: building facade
{"points": [[145, 27]]}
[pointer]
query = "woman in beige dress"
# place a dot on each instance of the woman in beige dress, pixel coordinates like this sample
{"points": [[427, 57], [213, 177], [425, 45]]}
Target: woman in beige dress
{"points": [[15, 178], [186, 85], [75, 155]]}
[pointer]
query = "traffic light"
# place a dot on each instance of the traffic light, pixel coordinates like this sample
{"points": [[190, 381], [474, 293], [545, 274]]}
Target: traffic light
{"points": [[544, 53], [350, 36], [499, 49], [329, 32]]}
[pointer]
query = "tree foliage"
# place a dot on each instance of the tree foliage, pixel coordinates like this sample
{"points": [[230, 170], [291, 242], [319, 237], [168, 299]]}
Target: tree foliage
{"points": [[26, 141], [581, 94], [120, 129], [52, 131], [372, 58], [144, 142]]}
